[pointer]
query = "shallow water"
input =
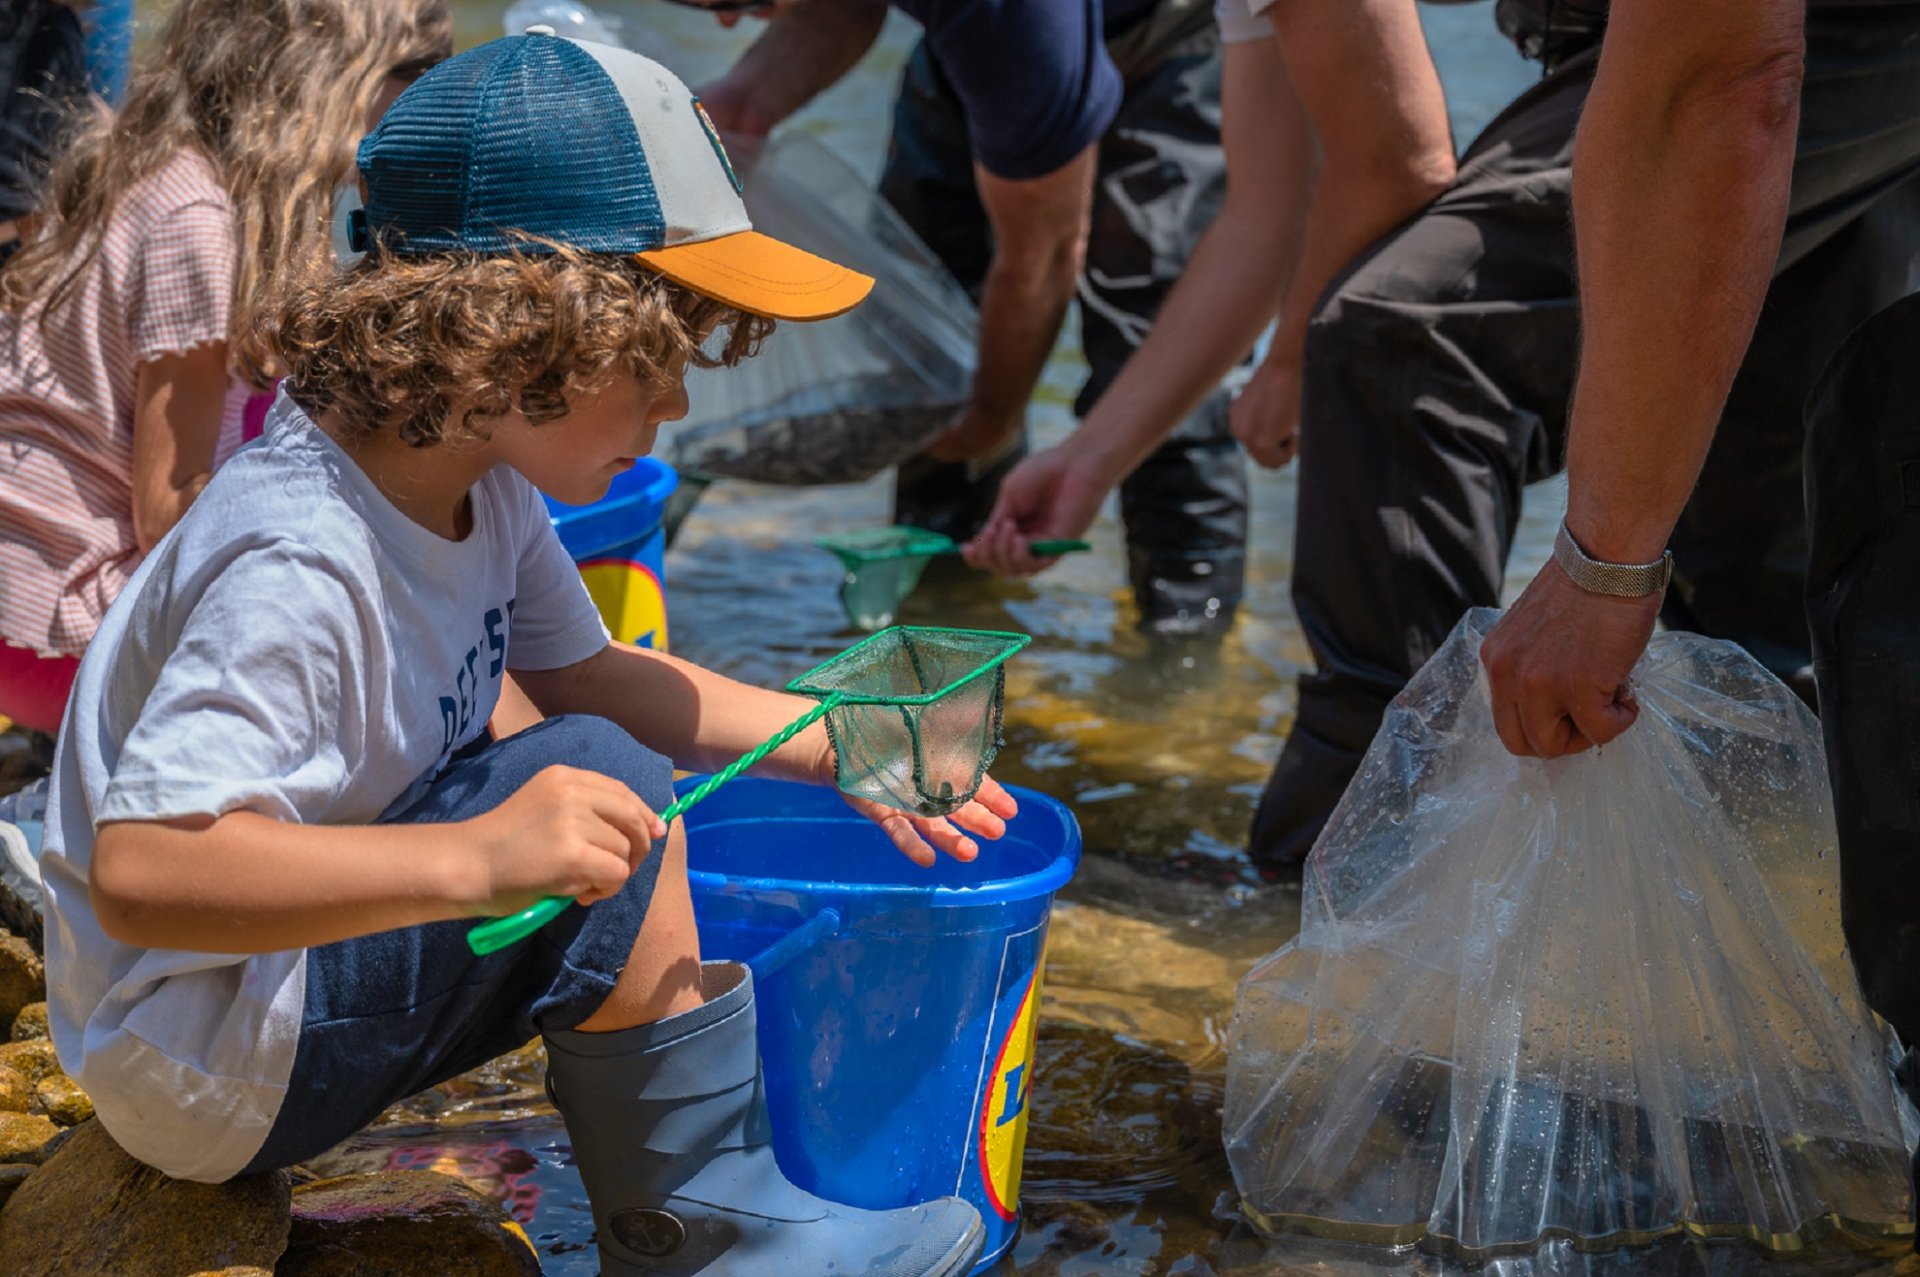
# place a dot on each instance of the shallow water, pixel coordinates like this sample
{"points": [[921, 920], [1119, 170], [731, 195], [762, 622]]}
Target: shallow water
{"points": [[1161, 757]]}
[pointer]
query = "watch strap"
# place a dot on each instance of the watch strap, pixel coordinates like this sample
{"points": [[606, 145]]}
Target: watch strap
{"points": [[1620, 580]]}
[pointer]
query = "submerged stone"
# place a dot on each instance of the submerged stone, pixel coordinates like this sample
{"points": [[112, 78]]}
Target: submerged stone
{"points": [[402, 1224], [94, 1209], [12, 1176]]}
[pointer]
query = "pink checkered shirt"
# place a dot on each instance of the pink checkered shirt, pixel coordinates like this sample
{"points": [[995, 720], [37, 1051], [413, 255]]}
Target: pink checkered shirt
{"points": [[161, 285]]}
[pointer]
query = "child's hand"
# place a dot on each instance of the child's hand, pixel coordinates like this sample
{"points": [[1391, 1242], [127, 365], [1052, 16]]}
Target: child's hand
{"points": [[567, 832], [917, 837]]}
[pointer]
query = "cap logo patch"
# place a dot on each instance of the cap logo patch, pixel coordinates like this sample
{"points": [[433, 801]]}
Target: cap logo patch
{"points": [[713, 136]]}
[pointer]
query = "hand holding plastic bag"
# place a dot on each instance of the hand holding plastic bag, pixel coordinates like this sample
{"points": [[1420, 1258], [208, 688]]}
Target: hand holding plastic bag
{"points": [[1603, 998]]}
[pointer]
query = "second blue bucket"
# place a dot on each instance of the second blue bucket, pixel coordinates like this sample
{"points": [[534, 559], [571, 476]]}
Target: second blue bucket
{"points": [[621, 549], [897, 1005]]}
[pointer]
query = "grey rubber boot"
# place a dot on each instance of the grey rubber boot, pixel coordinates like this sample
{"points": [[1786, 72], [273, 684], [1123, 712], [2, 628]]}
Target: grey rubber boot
{"points": [[670, 1132]]}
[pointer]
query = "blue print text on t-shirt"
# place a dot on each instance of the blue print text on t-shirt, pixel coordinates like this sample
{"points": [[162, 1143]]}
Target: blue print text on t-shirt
{"points": [[457, 712]]}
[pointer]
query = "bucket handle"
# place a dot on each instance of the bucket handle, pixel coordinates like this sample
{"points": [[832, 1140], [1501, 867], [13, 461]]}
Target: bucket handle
{"points": [[788, 947]]}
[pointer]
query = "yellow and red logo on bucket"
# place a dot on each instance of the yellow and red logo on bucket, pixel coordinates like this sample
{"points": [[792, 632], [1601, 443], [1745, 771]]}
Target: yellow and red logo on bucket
{"points": [[630, 600], [1003, 1117]]}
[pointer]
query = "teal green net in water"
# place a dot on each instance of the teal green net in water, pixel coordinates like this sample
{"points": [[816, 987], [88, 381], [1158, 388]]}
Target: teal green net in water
{"points": [[884, 565], [914, 714]]}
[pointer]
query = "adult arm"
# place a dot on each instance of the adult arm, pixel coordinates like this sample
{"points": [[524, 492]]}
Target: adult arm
{"points": [[1225, 296], [1291, 220], [805, 49], [1363, 71], [177, 404], [1682, 169], [1039, 243]]}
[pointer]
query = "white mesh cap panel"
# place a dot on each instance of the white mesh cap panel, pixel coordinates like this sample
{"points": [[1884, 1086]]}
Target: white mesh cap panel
{"points": [[696, 193]]}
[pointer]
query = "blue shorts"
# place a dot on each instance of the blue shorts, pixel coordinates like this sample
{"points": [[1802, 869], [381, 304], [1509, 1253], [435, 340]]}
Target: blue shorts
{"points": [[391, 1014]]}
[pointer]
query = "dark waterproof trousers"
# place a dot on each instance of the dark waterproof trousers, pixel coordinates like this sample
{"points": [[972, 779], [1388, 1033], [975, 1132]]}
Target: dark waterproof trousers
{"points": [[1863, 602], [1161, 179], [1440, 365]]}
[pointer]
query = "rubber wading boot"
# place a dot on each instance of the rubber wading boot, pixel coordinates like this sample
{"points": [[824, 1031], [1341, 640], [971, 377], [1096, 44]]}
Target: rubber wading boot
{"points": [[670, 1132]]}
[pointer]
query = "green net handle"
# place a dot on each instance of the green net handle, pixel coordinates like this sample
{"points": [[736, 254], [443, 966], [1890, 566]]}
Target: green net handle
{"points": [[498, 933], [1049, 549]]}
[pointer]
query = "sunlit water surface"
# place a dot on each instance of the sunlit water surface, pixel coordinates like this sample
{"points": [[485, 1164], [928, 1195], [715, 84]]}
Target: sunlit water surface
{"points": [[1160, 756]]}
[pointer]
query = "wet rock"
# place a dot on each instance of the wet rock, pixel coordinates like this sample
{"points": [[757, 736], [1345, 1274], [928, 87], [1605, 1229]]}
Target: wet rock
{"points": [[23, 1138], [402, 1224], [12, 1176], [52, 1146], [33, 1060], [94, 1209], [60, 1098], [31, 1024], [16, 1091], [23, 977]]}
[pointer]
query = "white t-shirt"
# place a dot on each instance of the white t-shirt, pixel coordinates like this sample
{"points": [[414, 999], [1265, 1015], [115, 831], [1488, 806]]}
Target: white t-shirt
{"points": [[299, 648]]}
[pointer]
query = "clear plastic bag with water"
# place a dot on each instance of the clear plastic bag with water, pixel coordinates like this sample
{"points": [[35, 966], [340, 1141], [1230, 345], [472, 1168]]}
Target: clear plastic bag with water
{"points": [[1603, 999], [840, 400], [568, 18]]}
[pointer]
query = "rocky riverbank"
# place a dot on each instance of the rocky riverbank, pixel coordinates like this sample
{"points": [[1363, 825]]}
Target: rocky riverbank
{"points": [[72, 1202]]}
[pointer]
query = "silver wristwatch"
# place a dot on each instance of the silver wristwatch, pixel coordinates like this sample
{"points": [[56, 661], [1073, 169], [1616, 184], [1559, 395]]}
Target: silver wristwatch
{"points": [[1622, 580]]}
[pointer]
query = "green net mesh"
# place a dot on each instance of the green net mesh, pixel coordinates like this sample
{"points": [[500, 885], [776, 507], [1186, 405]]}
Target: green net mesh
{"points": [[917, 713], [883, 566]]}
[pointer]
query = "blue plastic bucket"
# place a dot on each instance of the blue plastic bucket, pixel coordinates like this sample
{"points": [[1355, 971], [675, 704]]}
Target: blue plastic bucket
{"points": [[621, 549], [897, 1005]]}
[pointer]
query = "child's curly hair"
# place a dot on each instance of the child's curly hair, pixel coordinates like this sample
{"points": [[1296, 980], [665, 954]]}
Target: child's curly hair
{"points": [[403, 343]]}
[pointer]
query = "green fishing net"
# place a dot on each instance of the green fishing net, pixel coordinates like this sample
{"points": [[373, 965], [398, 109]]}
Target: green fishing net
{"points": [[883, 565], [915, 713]]}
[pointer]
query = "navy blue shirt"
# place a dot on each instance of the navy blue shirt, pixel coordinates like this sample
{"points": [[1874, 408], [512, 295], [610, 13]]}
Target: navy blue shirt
{"points": [[43, 77], [1033, 76]]}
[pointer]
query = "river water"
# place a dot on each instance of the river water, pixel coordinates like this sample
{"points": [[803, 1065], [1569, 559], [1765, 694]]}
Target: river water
{"points": [[1161, 758]]}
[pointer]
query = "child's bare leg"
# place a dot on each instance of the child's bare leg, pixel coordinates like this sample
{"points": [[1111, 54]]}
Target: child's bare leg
{"points": [[662, 975]]}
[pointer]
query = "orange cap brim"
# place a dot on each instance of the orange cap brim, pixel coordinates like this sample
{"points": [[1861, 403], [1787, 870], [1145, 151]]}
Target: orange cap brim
{"points": [[762, 276]]}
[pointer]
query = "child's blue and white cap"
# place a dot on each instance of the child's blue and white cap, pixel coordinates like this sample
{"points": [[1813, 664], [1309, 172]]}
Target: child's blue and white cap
{"points": [[586, 145]]}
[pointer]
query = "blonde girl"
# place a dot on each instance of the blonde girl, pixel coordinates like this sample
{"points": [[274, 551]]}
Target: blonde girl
{"points": [[128, 344]]}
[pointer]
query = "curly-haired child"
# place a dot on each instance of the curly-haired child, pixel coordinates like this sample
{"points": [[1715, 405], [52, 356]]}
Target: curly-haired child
{"points": [[128, 346], [278, 734]]}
